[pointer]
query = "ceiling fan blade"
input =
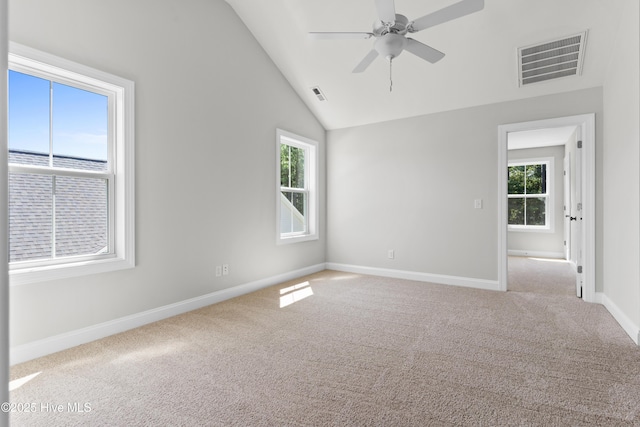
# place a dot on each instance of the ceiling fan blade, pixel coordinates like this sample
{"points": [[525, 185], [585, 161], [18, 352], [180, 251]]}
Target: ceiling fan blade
{"points": [[336, 36], [386, 10], [449, 13], [423, 51], [366, 61]]}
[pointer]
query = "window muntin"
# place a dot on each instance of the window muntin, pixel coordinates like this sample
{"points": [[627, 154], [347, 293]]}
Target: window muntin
{"points": [[529, 198], [296, 204], [70, 167]]}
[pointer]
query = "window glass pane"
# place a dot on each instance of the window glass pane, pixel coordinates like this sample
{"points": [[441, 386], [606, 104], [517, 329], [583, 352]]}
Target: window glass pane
{"points": [[516, 180], [284, 165], [291, 166], [80, 122], [536, 210], [81, 216], [28, 116], [297, 167], [293, 212], [536, 179], [30, 217], [516, 211]]}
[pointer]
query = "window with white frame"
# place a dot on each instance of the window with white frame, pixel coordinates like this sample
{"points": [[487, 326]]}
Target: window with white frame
{"points": [[296, 205], [529, 194], [70, 168]]}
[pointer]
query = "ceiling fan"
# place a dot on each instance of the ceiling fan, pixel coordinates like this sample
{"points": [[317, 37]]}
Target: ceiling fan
{"points": [[391, 29]]}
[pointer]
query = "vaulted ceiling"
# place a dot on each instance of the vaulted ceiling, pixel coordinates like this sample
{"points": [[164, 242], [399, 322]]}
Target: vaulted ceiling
{"points": [[480, 66]]}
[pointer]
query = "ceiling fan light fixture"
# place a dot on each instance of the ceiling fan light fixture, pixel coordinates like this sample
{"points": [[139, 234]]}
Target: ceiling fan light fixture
{"points": [[390, 45]]}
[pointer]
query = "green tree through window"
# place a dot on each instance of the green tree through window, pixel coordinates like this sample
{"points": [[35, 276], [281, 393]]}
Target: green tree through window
{"points": [[528, 194]]}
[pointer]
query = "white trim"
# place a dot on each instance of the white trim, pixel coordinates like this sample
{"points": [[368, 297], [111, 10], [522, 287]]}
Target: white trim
{"points": [[123, 218], [587, 125], [539, 254], [418, 276], [43, 347], [627, 324]]}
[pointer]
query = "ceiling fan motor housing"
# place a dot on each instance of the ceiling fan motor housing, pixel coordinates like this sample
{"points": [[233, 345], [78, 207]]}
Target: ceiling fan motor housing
{"points": [[400, 26]]}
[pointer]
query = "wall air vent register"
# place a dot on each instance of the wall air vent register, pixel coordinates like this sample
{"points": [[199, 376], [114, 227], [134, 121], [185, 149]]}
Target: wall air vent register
{"points": [[551, 60]]}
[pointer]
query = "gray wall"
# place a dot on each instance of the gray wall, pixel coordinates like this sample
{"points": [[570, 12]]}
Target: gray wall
{"points": [[206, 114], [410, 185], [621, 164], [543, 241]]}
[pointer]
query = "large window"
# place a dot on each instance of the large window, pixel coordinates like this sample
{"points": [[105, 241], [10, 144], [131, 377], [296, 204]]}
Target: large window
{"points": [[529, 192], [70, 168], [297, 196]]}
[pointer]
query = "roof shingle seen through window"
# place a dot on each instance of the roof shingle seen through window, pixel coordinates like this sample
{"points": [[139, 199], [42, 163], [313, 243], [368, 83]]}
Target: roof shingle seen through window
{"points": [[81, 216]]}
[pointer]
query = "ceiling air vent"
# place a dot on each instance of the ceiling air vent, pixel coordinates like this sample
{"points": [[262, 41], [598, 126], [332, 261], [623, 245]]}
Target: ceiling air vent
{"points": [[317, 92], [551, 60]]}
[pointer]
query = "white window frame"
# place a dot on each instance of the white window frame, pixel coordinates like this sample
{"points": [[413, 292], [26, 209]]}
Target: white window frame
{"points": [[121, 254], [549, 227], [311, 187]]}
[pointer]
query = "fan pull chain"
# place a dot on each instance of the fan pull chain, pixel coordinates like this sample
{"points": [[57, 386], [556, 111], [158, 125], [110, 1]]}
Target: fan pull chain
{"points": [[391, 74]]}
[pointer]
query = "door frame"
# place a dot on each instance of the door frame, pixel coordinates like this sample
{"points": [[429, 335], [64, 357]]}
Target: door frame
{"points": [[586, 122]]}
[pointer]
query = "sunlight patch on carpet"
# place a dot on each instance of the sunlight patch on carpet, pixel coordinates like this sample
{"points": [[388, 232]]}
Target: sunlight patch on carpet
{"points": [[15, 384], [295, 293]]}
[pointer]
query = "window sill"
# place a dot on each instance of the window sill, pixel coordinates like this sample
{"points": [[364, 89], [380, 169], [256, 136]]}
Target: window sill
{"points": [[530, 229], [296, 239], [47, 273]]}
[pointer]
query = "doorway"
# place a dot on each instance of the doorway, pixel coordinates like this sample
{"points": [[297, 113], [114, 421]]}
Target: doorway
{"points": [[581, 240]]}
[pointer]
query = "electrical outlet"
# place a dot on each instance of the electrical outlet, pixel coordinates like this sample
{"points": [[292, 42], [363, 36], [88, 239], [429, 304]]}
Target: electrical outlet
{"points": [[225, 269], [218, 270], [391, 254]]}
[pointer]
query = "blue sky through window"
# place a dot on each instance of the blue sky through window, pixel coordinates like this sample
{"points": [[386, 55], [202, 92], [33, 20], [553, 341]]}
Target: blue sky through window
{"points": [[79, 118]]}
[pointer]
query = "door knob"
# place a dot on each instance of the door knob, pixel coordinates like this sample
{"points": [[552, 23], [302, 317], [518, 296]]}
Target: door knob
{"points": [[571, 218]]}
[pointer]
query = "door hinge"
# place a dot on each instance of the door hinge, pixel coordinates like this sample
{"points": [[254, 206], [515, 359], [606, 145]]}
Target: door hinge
{"points": [[579, 207], [565, 243], [579, 144], [579, 269]]}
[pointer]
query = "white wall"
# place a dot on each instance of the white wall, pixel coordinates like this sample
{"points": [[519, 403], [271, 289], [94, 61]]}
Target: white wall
{"points": [[548, 242], [4, 281], [410, 185], [206, 116], [621, 162]]}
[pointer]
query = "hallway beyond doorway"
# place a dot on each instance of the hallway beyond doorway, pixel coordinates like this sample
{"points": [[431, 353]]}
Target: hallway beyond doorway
{"points": [[541, 275]]}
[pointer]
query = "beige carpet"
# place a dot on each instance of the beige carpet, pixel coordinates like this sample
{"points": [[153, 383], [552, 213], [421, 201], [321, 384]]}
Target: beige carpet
{"points": [[541, 275], [351, 350]]}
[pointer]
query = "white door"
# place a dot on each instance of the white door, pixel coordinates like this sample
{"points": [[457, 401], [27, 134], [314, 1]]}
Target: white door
{"points": [[576, 209], [567, 207]]}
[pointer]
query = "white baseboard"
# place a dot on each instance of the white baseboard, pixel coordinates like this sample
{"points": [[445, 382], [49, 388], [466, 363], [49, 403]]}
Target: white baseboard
{"points": [[421, 277], [539, 254], [35, 349], [627, 324]]}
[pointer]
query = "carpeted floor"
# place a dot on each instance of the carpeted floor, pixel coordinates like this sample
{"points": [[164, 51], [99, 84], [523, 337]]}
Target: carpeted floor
{"points": [[343, 349], [541, 275]]}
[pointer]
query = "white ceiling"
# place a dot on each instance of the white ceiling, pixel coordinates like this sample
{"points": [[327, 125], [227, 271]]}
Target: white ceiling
{"points": [[540, 137], [480, 66]]}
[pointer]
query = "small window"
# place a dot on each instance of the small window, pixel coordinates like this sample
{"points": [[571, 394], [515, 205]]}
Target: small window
{"points": [[70, 168], [529, 193], [296, 205]]}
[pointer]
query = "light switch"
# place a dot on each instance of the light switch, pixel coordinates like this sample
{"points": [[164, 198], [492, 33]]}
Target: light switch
{"points": [[477, 203]]}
